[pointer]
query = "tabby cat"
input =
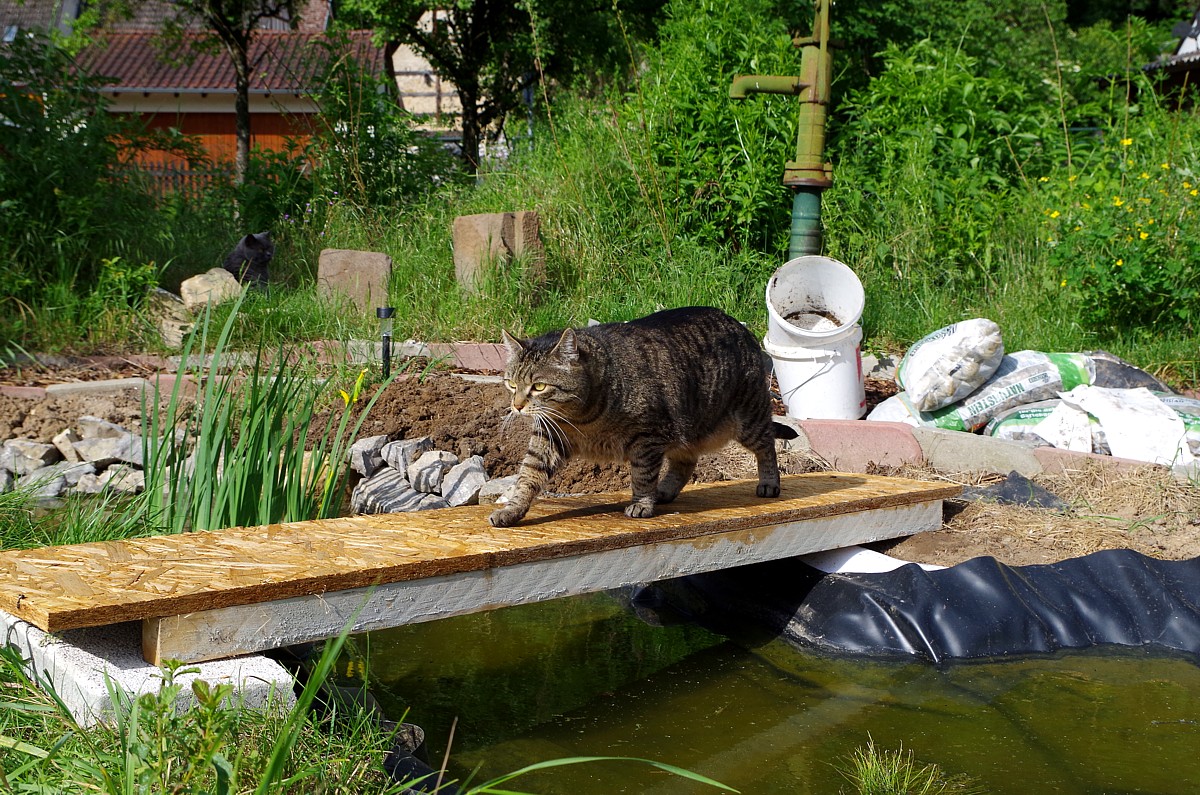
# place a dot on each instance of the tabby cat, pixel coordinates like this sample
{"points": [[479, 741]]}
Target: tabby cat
{"points": [[669, 386]]}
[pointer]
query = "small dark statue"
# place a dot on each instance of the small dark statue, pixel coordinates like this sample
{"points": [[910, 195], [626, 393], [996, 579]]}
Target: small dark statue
{"points": [[661, 389], [249, 259]]}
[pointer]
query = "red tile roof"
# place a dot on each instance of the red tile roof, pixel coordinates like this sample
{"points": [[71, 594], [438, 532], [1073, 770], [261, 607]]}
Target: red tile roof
{"points": [[287, 62]]}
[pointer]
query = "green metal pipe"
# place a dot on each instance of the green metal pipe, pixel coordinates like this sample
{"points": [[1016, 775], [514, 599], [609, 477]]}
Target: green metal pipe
{"points": [[805, 237], [745, 85]]}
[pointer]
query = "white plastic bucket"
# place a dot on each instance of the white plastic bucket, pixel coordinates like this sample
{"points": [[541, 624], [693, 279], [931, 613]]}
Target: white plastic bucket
{"points": [[814, 339], [821, 383], [813, 300]]}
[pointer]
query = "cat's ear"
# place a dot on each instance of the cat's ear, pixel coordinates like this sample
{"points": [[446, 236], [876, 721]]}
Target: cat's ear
{"points": [[514, 345], [567, 346]]}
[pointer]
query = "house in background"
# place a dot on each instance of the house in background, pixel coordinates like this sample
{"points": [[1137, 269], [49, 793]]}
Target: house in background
{"points": [[193, 90], [1181, 69]]}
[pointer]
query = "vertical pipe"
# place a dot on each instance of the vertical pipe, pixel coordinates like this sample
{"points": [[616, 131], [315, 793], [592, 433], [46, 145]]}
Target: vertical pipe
{"points": [[805, 235]]}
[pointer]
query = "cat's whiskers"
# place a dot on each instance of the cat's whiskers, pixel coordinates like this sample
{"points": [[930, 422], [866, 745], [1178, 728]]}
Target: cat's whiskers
{"points": [[544, 419]]}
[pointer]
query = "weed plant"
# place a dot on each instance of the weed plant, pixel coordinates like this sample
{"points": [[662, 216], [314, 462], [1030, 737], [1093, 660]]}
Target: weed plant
{"points": [[874, 771]]}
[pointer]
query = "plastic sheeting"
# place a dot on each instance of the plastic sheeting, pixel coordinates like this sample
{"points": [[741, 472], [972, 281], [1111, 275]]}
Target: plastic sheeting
{"points": [[977, 609]]}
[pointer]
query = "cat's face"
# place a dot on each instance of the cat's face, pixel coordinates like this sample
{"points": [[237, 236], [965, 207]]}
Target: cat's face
{"points": [[545, 382]]}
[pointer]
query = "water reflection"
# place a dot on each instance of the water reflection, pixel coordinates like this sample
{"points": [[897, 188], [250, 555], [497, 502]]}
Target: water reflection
{"points": [[582, 676]]}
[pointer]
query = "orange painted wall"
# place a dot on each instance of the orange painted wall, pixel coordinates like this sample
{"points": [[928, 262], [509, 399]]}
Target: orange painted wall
{"points": [[216, 131]]}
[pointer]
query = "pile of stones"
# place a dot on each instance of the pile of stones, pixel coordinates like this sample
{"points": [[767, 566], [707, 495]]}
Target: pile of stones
{"points": [[94, 456], [409, 475]]}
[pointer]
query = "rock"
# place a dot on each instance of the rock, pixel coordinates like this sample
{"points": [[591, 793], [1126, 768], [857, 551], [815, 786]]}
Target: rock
{"points": [[105, 451], [485, 240], [89, 484], [360, 276], [43, 487], [401, 453], [463, 481], [497, 490], [63, 442], [216, 286], [90, 427], [170, 316], [71, 471], [6, 481], [385, 492], [430, 502], [124, 479], [426, 473], [365, 458], [22, 456]]}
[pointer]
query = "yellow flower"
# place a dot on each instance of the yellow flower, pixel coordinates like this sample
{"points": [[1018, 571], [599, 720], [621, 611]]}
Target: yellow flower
{"points": [[1072, 178], [1126, 141], [1186, 184], [1145, 175], [1055, 214], [1120, 262], [1193, 192], [1043, 179], [1063, 283], [1144, 235], [1165, 166], [345, 397], [1117, 202]]}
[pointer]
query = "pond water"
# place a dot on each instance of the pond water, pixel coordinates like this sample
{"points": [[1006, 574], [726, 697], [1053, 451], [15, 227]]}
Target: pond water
{"points": [[583, 676]]}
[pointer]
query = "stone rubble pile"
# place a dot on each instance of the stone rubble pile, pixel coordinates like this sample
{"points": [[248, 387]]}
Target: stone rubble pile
{"points": [[93, 457], [409, 475]]}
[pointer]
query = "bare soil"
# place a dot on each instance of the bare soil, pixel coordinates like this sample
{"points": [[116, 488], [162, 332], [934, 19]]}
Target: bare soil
{"points": [[1143, 509]]}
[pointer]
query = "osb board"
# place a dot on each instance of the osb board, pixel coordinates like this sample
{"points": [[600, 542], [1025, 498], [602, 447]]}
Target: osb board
{"points": [[82, 585]]}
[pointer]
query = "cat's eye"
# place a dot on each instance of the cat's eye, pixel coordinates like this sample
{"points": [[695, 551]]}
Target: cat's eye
{"points": [[540, 387], [510, 385]]}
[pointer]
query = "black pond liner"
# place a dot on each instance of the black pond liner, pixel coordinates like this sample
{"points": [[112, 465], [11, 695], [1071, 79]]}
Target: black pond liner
{"points": [[980, 608]]}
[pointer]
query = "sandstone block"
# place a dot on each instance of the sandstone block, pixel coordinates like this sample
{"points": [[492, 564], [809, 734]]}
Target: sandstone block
{"points": [[170, 316], [426, 473], [361, 276], [463, 481], [485, 240], [216, 287]]}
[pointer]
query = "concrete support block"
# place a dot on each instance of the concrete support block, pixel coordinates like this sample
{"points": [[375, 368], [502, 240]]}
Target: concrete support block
{"points": [[78, 663]]}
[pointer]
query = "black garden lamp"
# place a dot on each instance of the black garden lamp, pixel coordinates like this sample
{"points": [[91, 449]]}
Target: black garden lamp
{"points": [[385, 313]]}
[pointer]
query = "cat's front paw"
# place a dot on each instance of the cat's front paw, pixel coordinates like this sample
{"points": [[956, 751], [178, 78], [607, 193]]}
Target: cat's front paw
{"points": [[639, 510], [767, 490], [506, 517]]}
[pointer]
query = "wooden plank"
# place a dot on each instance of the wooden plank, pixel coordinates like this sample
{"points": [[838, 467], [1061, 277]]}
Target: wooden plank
{"points": [[228, 631], [66, 587]]}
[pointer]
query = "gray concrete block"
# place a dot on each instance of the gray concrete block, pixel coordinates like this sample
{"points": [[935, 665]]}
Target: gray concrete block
{"points": [[23, 456], [365, 457], [401, 453], [957, 451], [462, 482], [107, 387], [79, 664], [426, 473], [497, 489]]}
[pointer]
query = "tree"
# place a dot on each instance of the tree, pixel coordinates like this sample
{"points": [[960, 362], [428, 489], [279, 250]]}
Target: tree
{"points": [[230, 25], [493, 49]]}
